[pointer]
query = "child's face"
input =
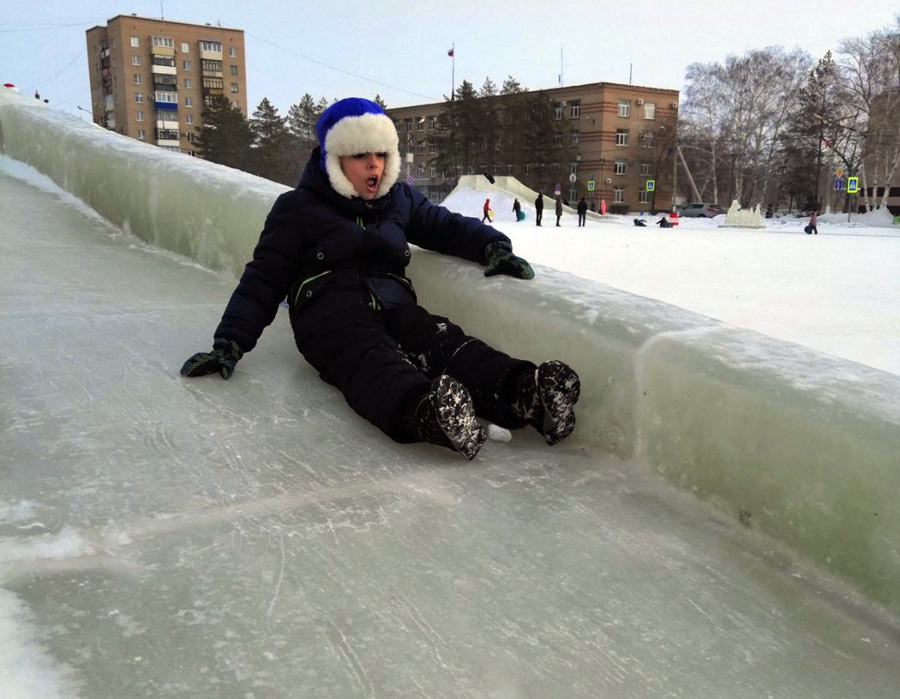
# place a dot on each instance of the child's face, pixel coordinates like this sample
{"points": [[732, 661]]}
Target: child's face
{"points": [[364, 170]]}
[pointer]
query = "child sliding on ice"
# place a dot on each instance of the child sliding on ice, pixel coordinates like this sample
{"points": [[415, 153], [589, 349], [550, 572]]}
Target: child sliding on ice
{"points": [[337, 247]]}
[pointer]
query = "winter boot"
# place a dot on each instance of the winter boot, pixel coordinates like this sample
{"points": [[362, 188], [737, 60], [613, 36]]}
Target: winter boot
{"points": [[446, 417], [545, 399]]}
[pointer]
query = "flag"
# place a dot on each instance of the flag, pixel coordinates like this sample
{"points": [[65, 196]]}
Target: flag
{"points": [[450, 53]]}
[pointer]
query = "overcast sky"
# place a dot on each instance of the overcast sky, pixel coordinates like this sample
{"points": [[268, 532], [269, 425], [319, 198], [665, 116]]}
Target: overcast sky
{"points": [[399, 49]]}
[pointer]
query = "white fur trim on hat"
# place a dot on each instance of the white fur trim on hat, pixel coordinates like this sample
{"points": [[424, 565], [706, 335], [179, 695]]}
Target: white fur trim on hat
{"points": [[366, 133]]}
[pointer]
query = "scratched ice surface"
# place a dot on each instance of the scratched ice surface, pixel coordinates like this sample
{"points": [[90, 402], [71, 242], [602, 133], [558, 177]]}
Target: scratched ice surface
{"points": [[162, 537]]}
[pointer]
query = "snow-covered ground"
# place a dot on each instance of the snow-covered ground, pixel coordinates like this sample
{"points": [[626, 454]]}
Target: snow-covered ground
{"points": [[837, 292]]}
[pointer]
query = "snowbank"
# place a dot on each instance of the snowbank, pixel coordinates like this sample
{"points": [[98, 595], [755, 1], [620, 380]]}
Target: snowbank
{"points": [[797, 444]]}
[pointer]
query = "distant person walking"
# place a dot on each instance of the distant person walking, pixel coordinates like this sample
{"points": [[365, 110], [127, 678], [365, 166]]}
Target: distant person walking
{"points": [[813, 221], [558, 210], [539, 208], [582, 212], [517, 210], [487, 211]]}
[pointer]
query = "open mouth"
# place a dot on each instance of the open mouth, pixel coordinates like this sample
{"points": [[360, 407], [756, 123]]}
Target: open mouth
{"points": [[372, 182]]}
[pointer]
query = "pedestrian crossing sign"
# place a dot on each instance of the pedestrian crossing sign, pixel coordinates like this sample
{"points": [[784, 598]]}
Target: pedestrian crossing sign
{"points": [[651, 186], [852, 185], [591, 185]]}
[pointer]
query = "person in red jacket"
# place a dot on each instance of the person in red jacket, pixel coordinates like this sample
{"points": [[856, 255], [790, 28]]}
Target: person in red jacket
{"points": [[487, 211]]}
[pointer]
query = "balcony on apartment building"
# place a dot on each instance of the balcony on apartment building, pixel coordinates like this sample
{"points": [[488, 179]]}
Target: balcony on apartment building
{"points": [[168, 137]]}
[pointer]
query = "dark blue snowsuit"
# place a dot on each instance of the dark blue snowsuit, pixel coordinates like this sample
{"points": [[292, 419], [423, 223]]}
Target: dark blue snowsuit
{"points": [[341, 263]]}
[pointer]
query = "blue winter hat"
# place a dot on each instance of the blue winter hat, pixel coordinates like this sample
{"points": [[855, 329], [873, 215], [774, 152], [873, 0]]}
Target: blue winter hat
{"points": [[356, 125]]}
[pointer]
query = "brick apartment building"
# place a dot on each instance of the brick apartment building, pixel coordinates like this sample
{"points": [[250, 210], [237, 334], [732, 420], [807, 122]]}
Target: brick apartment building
{"points": [[621, 137], [150, 77]]}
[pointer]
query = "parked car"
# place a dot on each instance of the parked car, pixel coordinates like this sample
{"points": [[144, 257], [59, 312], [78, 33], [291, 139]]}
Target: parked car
{"points": [[700, 210]]}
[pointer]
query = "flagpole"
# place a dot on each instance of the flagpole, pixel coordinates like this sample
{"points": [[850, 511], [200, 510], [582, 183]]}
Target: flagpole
{"points": [[453, 71]]}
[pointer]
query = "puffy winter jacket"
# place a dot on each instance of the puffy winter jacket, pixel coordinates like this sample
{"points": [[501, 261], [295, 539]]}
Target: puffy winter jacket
{"points": [[327, 253]]}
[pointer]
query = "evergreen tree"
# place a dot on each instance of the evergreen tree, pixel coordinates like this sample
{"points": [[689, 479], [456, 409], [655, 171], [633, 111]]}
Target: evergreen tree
{"points": [[224, 136], [271, 144], [379, 100], [511, 86], [460, 137], [301, 126], [813, 129]]}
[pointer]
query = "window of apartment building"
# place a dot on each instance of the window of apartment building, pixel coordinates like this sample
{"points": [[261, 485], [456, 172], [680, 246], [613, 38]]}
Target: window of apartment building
{"points": [[576, 138], [139, 115], [624, 108], [621, 137], [557, 139], [420, 148], [211, 66], [558, 111], [233, 70], [432, 171], [188, 101], [574, 109], [432, 123], [645, 168], [647, 139], [212, 46], [420, 124], [234, 88], [174, 149], [420, 171], [142, 134], [185, 47], [138, 79], [643, 197], [621, 167], [618, 195], [232, 52], [166, 41], [213, 83], [187, 84], [138, 97], [186, 65], [432, 148], [135, 60], [649, 110], [135, 42], [167, 97], [189, 119]]}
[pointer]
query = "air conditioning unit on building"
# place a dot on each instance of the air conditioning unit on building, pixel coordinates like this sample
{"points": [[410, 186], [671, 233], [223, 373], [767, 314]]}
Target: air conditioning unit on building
{"points": [[640, 101]]}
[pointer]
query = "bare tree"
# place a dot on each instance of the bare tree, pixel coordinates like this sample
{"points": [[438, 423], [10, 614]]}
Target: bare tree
{"points": [[871, 69]]}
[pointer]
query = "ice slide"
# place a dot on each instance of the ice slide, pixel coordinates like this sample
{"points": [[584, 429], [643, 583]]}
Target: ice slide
{"points": [[167, 537]]}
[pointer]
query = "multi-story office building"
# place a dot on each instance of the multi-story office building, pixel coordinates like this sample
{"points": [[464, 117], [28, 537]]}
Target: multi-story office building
{"points": [[150, 77], [621, 148]]}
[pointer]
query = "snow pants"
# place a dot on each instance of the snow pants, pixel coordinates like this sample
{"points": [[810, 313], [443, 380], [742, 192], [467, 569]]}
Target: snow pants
{"points": [[383, 362]]}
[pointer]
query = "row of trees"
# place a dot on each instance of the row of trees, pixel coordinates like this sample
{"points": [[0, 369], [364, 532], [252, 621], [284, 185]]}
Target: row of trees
{"points": [[475, 131], [480, 133], [266, 144], [774, 126]]}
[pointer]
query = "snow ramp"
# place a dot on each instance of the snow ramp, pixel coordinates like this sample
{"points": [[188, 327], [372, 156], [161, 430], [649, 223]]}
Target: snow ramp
{"points": [[161, 536]]}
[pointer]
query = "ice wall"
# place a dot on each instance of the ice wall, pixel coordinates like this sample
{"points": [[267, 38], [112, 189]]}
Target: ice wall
{"points": [[794, 443]]}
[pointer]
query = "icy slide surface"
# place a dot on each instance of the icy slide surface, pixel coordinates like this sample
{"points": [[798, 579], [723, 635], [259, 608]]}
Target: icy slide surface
{"points": [[254, 538]]}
